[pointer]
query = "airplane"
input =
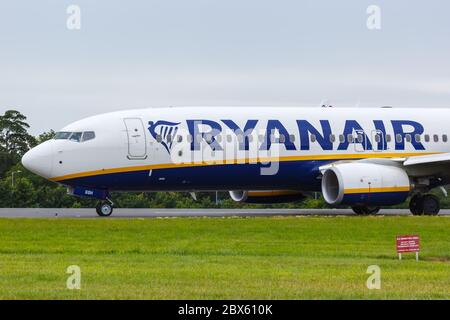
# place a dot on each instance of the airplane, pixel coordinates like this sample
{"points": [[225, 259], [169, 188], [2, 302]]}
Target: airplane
{"points": [[363, 158]]}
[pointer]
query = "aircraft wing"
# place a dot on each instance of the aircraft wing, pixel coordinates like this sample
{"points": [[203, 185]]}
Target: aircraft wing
{"points": [[435, 165], [443, 158]]}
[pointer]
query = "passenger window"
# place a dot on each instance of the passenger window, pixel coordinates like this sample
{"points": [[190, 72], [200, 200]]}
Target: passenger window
{"points": [[169, 138], [88, 135], [180, 138], [76, 136], [189, 138], [444, 138], [350, 138], [208, 137], [427, 138], [436, 138], [417, 137], [158, 138], [398, 138], [360, 138], [292, 138], [272, 138], [332, 138], [388, 138], [313, 138], [341, 138], [377, 138], [261, 138], [408, 137]]}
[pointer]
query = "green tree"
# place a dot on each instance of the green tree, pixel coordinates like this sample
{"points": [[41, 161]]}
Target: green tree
{"points": [[14, 137], [45, 136]]}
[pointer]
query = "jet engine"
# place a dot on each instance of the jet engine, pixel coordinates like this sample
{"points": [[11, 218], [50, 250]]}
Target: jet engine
{"points": [[366, 184], [266, 196]]}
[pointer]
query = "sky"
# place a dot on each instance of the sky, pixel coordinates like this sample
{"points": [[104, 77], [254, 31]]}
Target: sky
{"points": [[148, 53]]}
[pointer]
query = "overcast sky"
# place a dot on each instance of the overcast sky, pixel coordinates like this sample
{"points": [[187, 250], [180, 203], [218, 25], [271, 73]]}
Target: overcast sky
{"points": [[135, 54]]}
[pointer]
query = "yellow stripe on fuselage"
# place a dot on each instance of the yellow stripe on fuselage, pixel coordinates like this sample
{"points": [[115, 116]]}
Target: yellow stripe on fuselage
{"points": [[371, 190], [238, 161]]}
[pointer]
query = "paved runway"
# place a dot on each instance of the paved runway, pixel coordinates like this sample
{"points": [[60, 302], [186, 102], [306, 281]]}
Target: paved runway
{"points": [[167, 213]]}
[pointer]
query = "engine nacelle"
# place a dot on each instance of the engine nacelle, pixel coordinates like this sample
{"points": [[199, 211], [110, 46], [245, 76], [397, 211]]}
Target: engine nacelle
{"points": [[371, 184], [266, 196]]}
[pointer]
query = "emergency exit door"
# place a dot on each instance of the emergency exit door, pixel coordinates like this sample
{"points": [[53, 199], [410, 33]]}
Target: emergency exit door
{"points": [[137, 142]]}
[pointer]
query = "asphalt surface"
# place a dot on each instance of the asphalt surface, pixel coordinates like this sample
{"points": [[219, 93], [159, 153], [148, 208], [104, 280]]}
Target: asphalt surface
{"points": [[167, 213]]}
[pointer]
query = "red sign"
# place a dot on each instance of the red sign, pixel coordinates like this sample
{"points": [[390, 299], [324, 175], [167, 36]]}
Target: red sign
{"points": [[408, 244]]}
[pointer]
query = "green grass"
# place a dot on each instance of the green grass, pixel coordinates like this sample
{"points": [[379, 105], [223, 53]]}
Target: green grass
{"points": [[229, 258]]}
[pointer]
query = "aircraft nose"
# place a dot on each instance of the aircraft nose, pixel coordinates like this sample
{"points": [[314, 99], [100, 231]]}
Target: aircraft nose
{"points": [[39, 160]]}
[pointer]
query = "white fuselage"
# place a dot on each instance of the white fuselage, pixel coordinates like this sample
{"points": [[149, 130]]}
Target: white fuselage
{"points": [[209, 149]]}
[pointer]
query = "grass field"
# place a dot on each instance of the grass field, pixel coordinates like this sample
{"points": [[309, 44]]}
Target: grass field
{"points": [[229, 258]]}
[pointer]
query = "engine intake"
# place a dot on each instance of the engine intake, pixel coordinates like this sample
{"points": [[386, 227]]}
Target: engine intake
{"points": [[365, 184]]}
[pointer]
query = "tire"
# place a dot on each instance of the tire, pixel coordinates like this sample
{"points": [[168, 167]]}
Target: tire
{"points": [[373, 210], [416, 205], [431, 205], [357, 210], [364, 210], [104, 209]]}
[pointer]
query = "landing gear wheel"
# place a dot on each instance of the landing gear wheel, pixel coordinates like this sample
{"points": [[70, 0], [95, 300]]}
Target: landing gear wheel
{"points": [[431, 205], [104, 209], [357, 210], [364, 210], [416, 205]]}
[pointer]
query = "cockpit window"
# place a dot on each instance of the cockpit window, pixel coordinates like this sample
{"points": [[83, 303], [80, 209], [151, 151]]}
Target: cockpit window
{"points": [[88, 135], [62, 135], [75, 136]]}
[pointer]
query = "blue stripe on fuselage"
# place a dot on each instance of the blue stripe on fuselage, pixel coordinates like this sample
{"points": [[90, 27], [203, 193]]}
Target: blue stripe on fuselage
{"points": [[299, 175]]}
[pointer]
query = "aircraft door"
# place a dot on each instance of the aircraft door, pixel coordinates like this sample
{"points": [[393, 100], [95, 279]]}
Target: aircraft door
{"points": [[137, 141]]}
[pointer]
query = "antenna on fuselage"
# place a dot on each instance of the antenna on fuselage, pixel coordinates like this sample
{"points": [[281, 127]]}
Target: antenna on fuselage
{"points": [[325, 104]]}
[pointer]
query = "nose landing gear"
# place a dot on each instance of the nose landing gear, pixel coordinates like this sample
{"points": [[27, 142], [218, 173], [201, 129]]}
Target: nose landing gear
{"points": [[105, 208], [427, 204]]}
